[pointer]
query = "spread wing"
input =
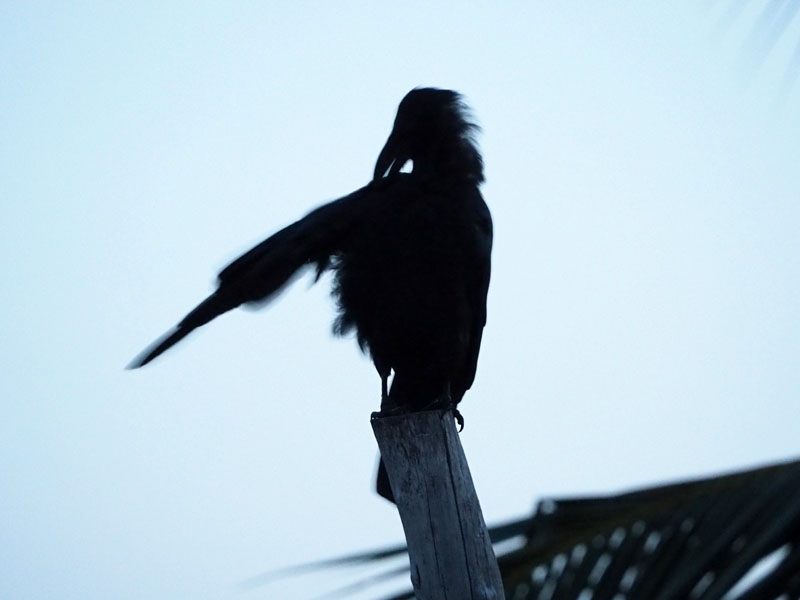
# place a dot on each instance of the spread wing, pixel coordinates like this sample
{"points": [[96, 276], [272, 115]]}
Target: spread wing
{"points": [[260, 274]]}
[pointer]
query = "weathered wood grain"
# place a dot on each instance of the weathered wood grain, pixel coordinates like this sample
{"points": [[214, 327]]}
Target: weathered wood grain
{"points": [[449, 549]]}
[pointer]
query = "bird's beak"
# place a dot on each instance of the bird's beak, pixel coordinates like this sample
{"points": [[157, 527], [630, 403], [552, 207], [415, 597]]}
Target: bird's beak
{"points": [[390, 159]]}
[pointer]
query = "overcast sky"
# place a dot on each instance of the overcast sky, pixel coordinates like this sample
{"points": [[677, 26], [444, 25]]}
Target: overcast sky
{"points": [[642, 171]]}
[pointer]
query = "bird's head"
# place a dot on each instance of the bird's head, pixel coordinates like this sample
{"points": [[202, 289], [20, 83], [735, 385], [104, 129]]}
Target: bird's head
{"points": [[433, 130]]}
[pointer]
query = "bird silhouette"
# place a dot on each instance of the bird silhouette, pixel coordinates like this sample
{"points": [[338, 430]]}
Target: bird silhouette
{"points": [[410, 254]]}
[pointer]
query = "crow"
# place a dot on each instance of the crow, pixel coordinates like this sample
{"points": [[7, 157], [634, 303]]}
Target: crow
{"points": [[411, 259]]}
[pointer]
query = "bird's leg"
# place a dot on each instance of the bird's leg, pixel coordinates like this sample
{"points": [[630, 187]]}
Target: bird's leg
{"points": [[445, 401], [389, 409], [389, 406], [384, 389]]}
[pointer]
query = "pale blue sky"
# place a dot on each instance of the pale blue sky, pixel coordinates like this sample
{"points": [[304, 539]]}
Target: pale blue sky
{"points": [[643, 314]]}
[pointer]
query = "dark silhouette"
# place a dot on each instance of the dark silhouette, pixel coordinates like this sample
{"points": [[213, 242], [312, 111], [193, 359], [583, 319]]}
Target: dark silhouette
{"points": [[411, 259], [696, 538]]}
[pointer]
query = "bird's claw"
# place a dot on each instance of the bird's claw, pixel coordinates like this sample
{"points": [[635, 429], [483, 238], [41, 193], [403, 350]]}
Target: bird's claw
{"points": [[389, 411], [390, 408], [459, 419]]}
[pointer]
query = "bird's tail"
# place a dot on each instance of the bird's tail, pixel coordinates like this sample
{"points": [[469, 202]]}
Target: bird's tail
{"points": [[382, 485]]}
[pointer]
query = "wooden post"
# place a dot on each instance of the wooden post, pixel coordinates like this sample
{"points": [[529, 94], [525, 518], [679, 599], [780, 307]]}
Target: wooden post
{"points": [[449, 549]]}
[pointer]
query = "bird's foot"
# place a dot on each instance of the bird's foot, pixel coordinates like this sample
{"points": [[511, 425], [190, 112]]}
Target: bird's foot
{"points": [[446, 403], [389, 410], [459, 419]]}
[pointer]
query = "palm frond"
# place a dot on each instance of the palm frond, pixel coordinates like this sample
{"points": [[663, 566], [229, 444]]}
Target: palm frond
{"points": [[693, 539]]}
